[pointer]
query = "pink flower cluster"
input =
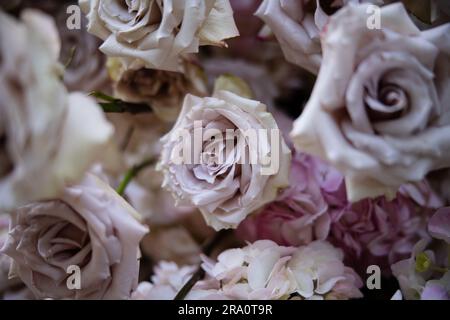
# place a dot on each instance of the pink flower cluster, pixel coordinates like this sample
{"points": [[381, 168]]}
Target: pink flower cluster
{"points": [[315, 207]]}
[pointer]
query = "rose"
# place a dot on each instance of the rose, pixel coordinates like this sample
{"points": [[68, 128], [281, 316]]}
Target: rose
{"points": [[155, 33], [297, 26], [381, 101], [298, 215], [295, 30], [47, 137], [89, 226], [164, 91], [221, 176]]}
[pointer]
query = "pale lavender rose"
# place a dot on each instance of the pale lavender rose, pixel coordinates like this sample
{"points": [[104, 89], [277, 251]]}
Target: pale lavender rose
{"points": [[264, 270], [89, 226], [298, 24], [156, 33], [380, 98], [224, 173], [298, 216], [47, 137], [426, 274]]}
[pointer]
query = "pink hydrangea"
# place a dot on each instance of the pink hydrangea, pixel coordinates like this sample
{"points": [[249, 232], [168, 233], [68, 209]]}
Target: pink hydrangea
{"points": [[377, 231], [298, 216], [382, 232], [315, 207]]}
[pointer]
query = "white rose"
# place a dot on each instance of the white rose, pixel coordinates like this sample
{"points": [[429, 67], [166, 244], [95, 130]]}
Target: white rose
{"points": [[154, 33], [47, 137], [379, 111]]}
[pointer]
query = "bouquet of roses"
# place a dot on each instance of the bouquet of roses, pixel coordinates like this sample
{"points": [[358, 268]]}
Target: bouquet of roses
{"points": [[225, 149]]}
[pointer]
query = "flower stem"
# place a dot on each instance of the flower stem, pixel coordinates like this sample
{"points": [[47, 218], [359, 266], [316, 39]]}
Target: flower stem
{"points": [[133, 172], [207, 249]]}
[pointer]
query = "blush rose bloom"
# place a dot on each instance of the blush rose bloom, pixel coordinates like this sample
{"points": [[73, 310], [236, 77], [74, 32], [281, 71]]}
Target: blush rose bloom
{"points": [[89, 226], [47, 136], [155, 33], [381, 99], [297, 25], [225, 187]]}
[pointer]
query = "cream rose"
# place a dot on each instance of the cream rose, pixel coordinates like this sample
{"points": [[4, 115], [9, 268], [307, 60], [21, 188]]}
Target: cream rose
{"points": [[379, 111], [155, 33], [220, 176], [47, 137], [297, 25], [89, 226]]}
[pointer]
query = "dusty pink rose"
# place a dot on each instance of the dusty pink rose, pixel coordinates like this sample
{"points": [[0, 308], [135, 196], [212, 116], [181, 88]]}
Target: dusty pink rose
{"points": [[298, 216], [89, 226]]}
